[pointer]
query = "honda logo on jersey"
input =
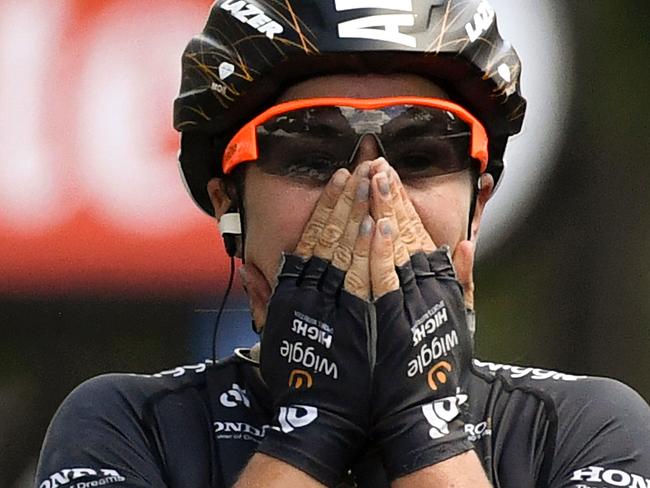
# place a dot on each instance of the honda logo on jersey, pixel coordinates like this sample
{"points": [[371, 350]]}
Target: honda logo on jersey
{"points": [[613, 477], [296, 416], [384, 27]]}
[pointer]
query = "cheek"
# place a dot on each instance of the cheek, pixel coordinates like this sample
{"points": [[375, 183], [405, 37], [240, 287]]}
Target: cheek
{"points": [[444, 211], [276, 214]]}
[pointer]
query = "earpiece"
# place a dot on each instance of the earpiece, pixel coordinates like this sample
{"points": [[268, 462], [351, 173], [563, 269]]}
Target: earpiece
{"points": [[230, 228]]}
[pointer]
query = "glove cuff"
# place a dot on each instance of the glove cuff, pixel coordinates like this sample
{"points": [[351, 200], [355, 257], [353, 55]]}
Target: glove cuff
{"points": [[322, 449], [413, 440]]}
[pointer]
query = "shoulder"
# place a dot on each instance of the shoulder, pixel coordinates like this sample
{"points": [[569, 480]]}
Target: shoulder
{"points": [[585, 394], [602, 433], [102, 393], [129, 423], [139, 387], [581, 422], [125, 398]]}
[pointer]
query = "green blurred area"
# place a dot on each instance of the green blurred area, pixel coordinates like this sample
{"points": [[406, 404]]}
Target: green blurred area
{"points": [[569, 290]]}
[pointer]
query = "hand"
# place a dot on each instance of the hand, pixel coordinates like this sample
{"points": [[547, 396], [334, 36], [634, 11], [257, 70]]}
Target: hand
{"points": [[316, 342], [416, 238], [423, 342], [413, 235]]}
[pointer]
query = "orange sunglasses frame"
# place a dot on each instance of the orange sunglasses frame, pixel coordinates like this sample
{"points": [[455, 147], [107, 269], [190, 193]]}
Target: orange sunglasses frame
{"points": [[243, 146]]}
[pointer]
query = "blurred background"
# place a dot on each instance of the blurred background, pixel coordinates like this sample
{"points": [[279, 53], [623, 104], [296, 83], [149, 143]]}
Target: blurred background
{"points": [[106, 265]]}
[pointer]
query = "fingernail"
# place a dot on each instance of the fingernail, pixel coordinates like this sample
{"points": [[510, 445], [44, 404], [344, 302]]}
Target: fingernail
{"points": [[363, 190], [382, 182], [340, 178], [366, 226], [385, 227]]}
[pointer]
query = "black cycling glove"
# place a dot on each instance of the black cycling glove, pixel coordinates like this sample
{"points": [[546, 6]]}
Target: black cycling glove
{"points": [[423, 347], [314, 359]]}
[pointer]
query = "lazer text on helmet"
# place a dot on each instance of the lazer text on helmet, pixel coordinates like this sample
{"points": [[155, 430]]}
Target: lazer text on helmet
{"points": [[252, 15], [378, 27], [483, 20]]}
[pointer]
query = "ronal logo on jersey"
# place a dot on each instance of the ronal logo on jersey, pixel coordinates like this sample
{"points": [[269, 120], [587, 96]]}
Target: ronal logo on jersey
{"points": [[296, 416], [441, 412]]}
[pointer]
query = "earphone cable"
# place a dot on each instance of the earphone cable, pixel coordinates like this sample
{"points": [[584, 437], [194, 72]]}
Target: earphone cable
{"points": [[221, 308]]}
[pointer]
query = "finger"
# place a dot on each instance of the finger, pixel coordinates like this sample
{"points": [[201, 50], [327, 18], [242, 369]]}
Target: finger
{"points": [[382, 203], [463, 260], [408, 224], [357, 278], [338, 218], [258, 291], [342, 257], [382, 265], [426, 243], [321, 214], [412, 231], [379, 165]]}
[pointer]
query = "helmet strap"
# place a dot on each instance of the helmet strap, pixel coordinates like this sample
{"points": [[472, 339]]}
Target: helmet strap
{"points": [[239, 203], [476, 188]]}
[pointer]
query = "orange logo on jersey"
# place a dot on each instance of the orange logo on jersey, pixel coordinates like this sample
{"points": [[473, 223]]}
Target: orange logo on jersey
{"points": [[300, 378], [438, 374]]}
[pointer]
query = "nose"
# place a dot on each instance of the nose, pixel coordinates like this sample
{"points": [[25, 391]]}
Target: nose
{"points": [[367, 149]]}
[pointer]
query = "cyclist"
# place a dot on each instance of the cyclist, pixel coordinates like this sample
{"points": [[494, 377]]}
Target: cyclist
{"points": [[348, 149]]}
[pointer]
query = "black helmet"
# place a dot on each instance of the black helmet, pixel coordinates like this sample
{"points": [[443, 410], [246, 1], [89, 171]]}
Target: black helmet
{"points": [[251, 50]]}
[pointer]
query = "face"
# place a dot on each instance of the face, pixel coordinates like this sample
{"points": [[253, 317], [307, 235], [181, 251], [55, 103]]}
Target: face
{"points": [[277, 207]]}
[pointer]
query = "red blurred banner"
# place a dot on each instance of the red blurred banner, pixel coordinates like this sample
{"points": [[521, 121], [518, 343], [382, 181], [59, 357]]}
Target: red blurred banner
{"points": [[90, 194]]}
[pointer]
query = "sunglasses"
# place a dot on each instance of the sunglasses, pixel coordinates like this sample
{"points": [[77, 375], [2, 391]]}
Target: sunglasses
{"points": [[310, 139]]}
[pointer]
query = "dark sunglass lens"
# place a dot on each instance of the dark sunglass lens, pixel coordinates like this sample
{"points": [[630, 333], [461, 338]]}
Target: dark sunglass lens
{"points": [[425, 141], [305, 145], [426, 156]]}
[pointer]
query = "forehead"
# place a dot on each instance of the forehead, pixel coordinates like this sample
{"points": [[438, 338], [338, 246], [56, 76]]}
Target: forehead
{"points": [[363, 86]]}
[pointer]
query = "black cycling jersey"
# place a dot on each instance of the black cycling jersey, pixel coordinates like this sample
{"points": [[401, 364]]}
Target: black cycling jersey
{"points": [[197, 426]]}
